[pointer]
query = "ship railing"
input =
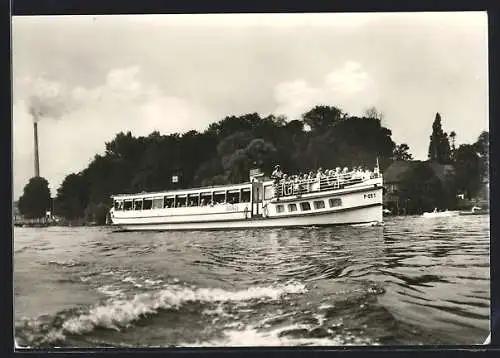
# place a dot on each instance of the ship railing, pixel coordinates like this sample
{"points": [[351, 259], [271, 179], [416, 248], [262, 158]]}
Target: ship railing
{"points": [[331, 182]]}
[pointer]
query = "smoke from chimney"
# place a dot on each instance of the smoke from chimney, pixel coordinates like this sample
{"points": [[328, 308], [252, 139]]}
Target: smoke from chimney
{"points": [[48, 99]]}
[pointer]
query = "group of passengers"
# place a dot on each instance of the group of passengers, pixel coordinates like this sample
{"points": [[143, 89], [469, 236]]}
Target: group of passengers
{"points": [[339, 173], [304, 181], [202, 202]]}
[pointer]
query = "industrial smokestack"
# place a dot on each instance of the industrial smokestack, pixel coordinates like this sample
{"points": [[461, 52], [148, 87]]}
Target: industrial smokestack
{"points": [[35, 132]]}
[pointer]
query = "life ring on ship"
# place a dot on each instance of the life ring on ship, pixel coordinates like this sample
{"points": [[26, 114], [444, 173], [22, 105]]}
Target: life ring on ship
{"points": [[246, 212]]}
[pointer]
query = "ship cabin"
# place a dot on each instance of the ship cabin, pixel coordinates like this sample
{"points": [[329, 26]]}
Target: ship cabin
{"points": [[184, 200], [246, 200]]}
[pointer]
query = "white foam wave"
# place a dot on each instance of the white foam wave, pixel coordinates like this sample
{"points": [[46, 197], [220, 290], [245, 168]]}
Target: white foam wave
{"points": [[325, 306], [108, 290], [153, 282], [132, 280], [65, 263], [119, 313], [251, 337], [320, 318]]}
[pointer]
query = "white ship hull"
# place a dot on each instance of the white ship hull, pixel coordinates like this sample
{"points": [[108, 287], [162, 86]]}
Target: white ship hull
{"points": [[369, 214], [357, 204]]}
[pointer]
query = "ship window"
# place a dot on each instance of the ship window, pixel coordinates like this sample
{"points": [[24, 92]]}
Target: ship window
{"points": [[305, 206], [148, 204], [193, 199], [121, 206], [280, 209], [169, 202], [180, 201], [205, 198], [319, 204], [157, 203], [334, 202], [117, 204], [245, 195], [233, 196], [268, 192], [292, 207], [128, 205], [138, 204], [219, 197]]}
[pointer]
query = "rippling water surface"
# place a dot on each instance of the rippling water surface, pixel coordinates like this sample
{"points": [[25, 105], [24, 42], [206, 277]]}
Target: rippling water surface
{"points": [[413, 281]]}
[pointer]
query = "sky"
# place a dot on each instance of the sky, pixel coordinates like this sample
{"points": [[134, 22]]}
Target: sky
{"points": [[90, 77]]}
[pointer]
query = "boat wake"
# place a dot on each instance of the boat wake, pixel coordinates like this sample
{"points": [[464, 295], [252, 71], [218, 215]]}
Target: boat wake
{"points": [[119, 312], [290, 335]]}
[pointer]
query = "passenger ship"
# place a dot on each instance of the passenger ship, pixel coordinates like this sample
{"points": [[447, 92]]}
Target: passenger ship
{"points": [[348, 198]]}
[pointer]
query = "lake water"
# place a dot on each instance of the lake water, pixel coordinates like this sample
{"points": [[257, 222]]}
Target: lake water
{"points": [[413, 281]]}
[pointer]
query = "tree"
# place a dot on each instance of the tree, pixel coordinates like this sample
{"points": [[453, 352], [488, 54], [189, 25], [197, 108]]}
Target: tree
{"points": [[401, 152], [373, 112], [96, 214], [439, 146], [421, 190], [223, 154], [453, 136], [482, 147], [72, 197], [35, 200], [322, 117], [468, 170], [483, 144]]}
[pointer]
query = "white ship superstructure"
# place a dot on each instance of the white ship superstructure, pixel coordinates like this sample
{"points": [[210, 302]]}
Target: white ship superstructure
{"points": [[348, 198]]}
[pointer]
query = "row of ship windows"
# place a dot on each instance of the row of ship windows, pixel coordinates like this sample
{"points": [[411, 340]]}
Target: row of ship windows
{"points": [[178, 201], [306, 206]]}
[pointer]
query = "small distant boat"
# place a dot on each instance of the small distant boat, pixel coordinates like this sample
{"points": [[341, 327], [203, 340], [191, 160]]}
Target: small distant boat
{"points": [[440, 214], [476, 210]]}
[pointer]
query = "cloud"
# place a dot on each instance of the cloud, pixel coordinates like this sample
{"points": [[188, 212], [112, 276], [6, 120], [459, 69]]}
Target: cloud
{"points": [[92, 116], [349, 87], [205, 67]]}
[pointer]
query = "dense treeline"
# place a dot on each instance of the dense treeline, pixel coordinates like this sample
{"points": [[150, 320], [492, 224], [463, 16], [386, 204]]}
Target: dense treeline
{"points": [[470, 162], [224, 153], [463, 171]]}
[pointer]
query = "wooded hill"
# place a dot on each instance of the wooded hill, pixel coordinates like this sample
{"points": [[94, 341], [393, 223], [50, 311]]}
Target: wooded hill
{"points": [[324, 136]]}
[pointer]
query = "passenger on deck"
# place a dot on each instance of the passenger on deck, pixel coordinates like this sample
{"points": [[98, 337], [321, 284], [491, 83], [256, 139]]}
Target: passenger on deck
{"points": [[277, 174]]}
